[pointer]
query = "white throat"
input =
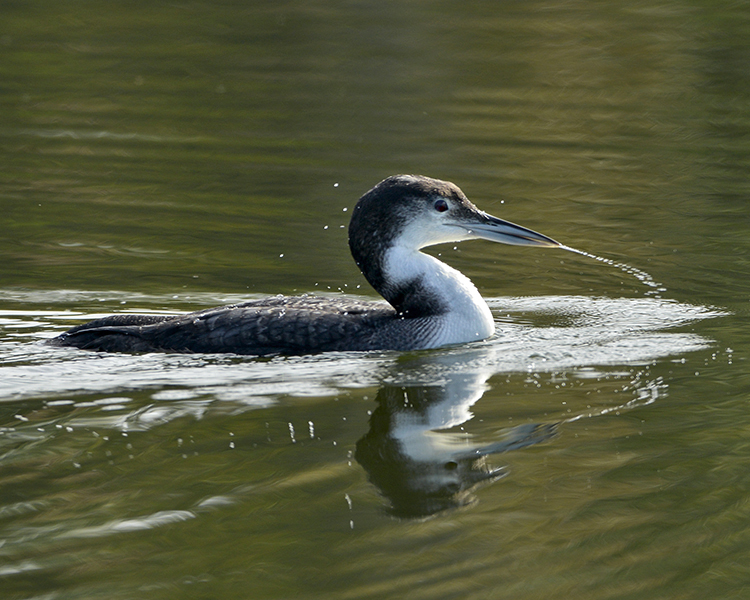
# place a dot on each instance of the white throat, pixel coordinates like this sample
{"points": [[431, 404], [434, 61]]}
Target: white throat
{"points": [[468, 318]]}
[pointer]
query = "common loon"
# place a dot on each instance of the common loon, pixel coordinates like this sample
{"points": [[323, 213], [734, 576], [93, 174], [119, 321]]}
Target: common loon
{"points": [[431, 304]]}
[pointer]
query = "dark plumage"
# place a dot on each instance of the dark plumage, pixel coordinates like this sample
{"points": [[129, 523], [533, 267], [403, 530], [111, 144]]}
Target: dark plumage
{"points": [[430, 304], [276, 325]]}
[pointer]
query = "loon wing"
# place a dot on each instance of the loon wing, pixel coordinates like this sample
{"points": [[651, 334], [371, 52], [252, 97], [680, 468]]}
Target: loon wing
{"points": [[279, 325]]}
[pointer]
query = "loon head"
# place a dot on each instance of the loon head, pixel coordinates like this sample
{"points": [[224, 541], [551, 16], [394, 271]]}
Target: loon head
{"points": [[405, 213]]}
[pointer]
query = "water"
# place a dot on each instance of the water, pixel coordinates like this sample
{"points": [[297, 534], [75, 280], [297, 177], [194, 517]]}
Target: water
{"points": [[161, 158]]}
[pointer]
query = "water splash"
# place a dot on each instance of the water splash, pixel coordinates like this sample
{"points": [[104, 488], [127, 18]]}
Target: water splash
{"points": [[645, 278]]}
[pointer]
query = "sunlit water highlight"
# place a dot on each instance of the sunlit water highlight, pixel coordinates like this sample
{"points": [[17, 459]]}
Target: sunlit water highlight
{"points": [[533, 334]]}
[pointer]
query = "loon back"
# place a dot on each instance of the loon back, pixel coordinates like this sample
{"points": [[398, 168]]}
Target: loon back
{"points": [[277, 325], [431, 304]]}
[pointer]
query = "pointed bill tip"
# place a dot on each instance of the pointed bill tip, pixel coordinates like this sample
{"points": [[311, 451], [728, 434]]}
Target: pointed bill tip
{"points": [[498, 230]]}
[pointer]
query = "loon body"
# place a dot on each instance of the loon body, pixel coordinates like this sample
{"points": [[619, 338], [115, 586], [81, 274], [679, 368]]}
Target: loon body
{"points": [[429, 303]]}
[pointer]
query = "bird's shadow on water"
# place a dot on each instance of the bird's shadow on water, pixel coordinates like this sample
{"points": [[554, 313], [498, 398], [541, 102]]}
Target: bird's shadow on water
{"points": [[418, 453], [413, 455]]}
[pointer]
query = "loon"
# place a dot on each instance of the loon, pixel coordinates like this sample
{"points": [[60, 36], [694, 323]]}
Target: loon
{"points": [[429, 303]]}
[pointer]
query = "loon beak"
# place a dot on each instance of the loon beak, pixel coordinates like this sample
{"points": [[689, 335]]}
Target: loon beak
{"points": [[487, 227]]}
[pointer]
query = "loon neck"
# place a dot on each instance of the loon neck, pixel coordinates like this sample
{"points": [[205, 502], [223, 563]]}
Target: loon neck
{"points": [[418, 285], [411, 282], [414, 283]]}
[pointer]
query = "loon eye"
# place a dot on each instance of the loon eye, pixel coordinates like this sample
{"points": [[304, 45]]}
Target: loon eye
{"points": [[441, 205]]}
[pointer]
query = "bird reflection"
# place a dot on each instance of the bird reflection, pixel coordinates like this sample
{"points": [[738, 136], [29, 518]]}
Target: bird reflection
{"points": [[419, 468]]}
